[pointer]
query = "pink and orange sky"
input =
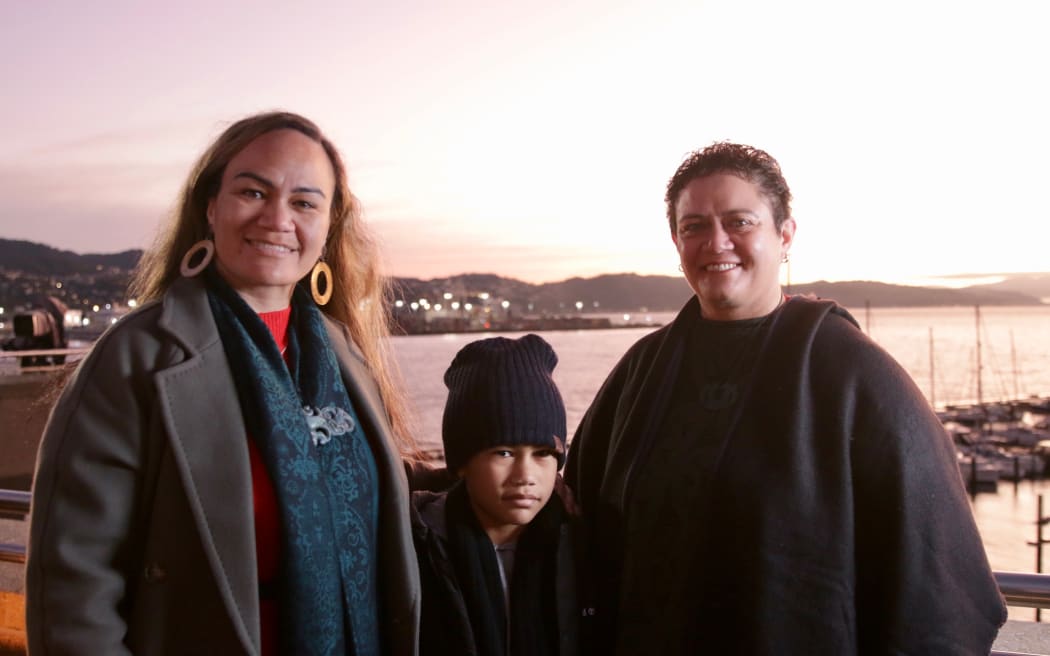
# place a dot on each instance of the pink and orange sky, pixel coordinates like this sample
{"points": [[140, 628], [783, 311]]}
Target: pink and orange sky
{"points": [[534, 139]]}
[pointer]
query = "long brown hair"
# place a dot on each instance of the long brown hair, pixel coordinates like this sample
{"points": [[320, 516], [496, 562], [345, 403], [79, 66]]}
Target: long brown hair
{"points": [[350, 251]]}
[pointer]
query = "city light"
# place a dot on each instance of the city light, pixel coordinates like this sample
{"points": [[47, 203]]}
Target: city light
{"points": [[468, 306], [505, 304], [399, 303], [484, 296], [94, 308], [437, 307], [133, 303], [448, 296], [579, 305], [455, 305]]}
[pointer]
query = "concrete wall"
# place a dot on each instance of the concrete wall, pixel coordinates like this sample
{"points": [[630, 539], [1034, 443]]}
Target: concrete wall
{"points": [[23, 412]]}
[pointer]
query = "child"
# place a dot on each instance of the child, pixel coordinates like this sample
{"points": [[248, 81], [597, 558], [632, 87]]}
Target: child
{"points": [[496, 551]]}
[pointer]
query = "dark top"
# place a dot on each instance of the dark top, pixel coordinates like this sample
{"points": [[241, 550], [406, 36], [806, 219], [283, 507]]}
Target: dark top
{"points": [[445, 627]]}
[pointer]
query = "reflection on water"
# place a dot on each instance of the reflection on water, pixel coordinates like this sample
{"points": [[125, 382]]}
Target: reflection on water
{"points": [[1007, 519], [1007, 522]]}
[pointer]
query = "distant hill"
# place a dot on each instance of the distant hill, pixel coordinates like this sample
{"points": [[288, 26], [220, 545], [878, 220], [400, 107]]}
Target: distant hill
{"points": [[1031, 284], [461, 286], [616, 292], [630, 292], [858, 293], [621, 292], [39, 259], [606, 293]]}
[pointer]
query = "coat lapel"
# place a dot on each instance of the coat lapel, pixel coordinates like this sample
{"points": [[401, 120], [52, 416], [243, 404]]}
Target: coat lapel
{"points": [[208, 439]]}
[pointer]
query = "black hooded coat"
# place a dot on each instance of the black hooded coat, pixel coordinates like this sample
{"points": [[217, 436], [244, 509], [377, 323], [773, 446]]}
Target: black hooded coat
{"points": [[836, 522]]}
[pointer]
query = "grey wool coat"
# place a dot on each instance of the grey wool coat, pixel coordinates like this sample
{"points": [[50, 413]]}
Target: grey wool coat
{"points": [[142, 533]]}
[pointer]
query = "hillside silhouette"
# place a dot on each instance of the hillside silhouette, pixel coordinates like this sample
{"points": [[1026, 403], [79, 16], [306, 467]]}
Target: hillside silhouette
{"points": [[31, 257], [23, 261]]}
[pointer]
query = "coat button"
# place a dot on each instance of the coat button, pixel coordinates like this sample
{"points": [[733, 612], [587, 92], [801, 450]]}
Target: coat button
{"points": [[154, 573]]}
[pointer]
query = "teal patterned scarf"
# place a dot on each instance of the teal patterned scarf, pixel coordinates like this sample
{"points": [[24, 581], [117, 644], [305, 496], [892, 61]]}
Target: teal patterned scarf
{"points": [[323, 471]]}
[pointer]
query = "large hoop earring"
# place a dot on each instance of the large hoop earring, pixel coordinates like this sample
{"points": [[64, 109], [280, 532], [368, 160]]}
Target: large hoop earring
{"points": [[321, 269], [206, 246]]}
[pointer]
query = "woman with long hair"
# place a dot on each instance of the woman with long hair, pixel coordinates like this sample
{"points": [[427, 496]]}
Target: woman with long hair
{"points": [[223, 472]]}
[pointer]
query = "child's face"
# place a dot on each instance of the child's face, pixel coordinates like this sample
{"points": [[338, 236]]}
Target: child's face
{"points": [[508, 485]]}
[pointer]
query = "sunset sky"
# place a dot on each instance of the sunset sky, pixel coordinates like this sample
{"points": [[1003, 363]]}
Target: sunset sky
{"points": [[534, 139]]}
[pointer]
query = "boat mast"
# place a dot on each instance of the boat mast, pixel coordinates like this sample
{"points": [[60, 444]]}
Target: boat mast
{"points": [[977, 317], [1013, 363], [933, 389]]}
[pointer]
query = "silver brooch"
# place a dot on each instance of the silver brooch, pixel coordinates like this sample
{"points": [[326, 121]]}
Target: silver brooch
{"points": [[326, 423]]}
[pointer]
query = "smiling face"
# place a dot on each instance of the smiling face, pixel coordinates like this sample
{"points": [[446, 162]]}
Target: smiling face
{"points": [[730, 247], [508, 486], [271, 215]]}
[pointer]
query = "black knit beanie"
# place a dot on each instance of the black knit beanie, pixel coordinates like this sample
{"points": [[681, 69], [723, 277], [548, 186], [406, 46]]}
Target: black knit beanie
{"points": [[500, 392]]}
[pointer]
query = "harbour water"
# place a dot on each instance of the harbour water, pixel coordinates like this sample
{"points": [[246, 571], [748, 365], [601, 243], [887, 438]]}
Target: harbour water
{"points": [[1015, 355], [1015, 348]]}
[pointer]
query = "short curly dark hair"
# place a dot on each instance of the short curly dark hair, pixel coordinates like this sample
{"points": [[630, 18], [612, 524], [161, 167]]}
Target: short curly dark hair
{"points": [[756, 166]]}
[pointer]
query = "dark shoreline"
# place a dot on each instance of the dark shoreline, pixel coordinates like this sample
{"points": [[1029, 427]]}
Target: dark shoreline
{"points": [[514, 326]]}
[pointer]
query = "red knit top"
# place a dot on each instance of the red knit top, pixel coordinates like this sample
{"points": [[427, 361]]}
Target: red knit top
{"points": [[267, 515]]}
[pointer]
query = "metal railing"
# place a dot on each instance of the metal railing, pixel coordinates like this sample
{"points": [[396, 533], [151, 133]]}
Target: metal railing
{"points": [[70, 355], [32, 353]]}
